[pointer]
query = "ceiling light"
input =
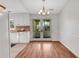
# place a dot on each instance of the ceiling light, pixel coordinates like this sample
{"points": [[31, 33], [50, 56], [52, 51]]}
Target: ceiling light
{"points": [[40, 10], [2, 9], [11, 19], [39, 13], [48, 12], [44, 11]]}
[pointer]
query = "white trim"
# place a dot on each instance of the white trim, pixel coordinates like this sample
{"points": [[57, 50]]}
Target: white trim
{"points": [[47, 39], [69, 48]]}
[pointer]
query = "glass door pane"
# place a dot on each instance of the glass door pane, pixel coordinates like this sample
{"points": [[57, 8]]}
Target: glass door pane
{"points": [[46, 28], [36, 28]]}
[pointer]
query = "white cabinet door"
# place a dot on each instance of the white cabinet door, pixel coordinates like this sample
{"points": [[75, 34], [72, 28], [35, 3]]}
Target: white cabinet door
{"points": [[24, 37], [19, 37], [14, 37], [20, 19]]}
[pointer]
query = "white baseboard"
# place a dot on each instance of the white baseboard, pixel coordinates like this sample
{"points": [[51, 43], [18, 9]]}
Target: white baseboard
{"points": [[69, 48], [46, 39]]}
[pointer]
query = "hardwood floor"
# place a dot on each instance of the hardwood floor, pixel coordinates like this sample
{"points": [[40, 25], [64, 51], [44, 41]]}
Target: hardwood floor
{"points": [[45, 50]]}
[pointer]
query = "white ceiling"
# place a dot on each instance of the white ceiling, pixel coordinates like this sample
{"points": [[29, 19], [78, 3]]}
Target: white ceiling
{"points": [[33, 6]]}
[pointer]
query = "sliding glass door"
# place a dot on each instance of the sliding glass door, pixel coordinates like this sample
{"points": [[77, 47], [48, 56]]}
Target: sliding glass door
{"points": [[46, 28], [36, 28], [41, 28]]}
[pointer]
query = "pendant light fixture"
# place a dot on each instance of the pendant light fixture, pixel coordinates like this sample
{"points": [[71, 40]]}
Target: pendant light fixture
{"points": [[2, 9], [44, 11]]}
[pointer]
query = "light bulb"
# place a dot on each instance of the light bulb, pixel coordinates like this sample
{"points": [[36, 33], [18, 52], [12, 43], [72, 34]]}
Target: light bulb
{"points": [[39, 12], [48, 12]]}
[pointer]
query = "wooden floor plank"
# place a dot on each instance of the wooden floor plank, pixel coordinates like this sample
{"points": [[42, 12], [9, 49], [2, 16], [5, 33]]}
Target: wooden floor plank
{"points": [[45, 50]]}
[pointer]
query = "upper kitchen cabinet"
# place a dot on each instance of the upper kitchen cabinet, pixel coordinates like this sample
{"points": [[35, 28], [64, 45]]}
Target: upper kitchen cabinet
{"points": [[20, 19]]}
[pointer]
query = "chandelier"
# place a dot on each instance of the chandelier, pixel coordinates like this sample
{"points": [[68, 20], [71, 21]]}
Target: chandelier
{"points": [[2, 9], [44, 11]]}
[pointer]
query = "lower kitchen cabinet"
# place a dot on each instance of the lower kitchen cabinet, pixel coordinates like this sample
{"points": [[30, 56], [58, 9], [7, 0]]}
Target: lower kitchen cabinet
{"points": [[19, 37]]}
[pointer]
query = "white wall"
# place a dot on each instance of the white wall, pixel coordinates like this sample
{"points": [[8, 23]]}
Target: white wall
{"points": [[69, 26], [55, 27], [23, 20], [54, 24], [4, 40]]}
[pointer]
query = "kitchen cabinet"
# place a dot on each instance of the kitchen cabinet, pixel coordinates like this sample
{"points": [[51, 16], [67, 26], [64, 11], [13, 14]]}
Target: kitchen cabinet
{"points": [[19, 37]]}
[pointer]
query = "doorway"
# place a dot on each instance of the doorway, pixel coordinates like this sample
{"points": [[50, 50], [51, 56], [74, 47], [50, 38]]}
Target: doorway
{"points": [[41, 28]]}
